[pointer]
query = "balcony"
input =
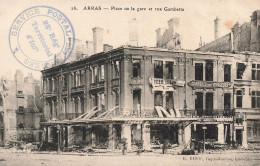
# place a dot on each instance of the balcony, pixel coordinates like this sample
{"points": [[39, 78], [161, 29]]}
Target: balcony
{"points": [[77, 89], [50, 94], [64, 92], [115, 82], [97, 85], [136, 80], [161, 84]]}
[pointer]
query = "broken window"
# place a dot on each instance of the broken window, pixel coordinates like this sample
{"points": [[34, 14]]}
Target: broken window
{"points": [[199, 71], [65, 81], [82, 105], [199, 103], [94, 75], [227, 73], [158, 69], [255, 71], [158, 98], [102, 73], [137, 101], [116, 69], [255, 98], [209, 103], [209, 71], [169, 70], [239, 98], [75, 79], [227, 101], [82, 77], [240, 70], [169, 100], [1, 101], [136, 68]]}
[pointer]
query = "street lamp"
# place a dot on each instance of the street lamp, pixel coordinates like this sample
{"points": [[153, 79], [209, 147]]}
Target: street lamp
{"points": [[204, 129]]}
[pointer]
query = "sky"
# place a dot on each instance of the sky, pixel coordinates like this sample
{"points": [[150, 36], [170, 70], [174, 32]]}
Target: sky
{"points": [[196, 20]]}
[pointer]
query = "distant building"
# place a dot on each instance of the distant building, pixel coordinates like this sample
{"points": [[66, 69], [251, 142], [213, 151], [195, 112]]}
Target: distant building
{"points": [[20, 109], [245, 37]]}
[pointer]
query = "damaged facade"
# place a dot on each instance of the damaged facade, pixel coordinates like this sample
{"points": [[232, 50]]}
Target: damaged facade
{"points": [[245, 37], [152, 94], [20, 109]]}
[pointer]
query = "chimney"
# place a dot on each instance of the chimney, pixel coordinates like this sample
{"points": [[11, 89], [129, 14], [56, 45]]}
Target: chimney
{"points": [[159, 34], [217, 27], [200, 45], [107, 47], [90, 48], [133, 32], [98, 39], [173, 25], [19, 75]]}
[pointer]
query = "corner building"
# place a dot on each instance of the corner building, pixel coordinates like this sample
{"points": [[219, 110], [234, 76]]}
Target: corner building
{"points": [[152, 94]]}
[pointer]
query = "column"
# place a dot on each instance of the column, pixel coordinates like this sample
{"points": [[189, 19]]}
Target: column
{"points": [[49, 135], [244, 135], [70, 136], [111, 139], [180, 131], [187, 135], [221, 138], [146, 136], [126, 133]]}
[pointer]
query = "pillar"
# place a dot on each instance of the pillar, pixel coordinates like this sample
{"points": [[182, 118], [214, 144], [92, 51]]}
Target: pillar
{"points": [[187, 135], [70, 136], [111, 139], [244, 135], [180, 131], [221, 138], [146, 136], [126, 133], [49, 135]]}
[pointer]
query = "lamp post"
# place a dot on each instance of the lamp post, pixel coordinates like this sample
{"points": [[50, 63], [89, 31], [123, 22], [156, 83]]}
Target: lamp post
{"points": [[59, 128], [204, 129]]}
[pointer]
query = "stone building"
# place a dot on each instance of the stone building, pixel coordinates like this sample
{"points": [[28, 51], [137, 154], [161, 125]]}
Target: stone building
{"points": [[20, 109], [245, 37], [152, 94]]}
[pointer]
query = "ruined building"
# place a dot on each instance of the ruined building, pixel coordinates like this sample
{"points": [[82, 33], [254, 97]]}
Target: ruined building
{"points": [[152, 94], [20, 109], [169, 38], [245, 37]]}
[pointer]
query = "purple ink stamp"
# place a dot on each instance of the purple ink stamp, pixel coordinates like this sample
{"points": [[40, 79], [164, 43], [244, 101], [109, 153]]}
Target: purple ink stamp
{"points": [[40, 35]]}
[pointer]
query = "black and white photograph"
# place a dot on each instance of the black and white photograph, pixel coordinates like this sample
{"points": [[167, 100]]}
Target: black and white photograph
{"points": [[130, 83]]}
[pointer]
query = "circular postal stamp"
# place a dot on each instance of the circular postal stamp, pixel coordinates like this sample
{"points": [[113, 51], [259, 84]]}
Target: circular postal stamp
{"points": [[41, 35]]}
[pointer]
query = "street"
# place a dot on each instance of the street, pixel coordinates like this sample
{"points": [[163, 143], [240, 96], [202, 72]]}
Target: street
{"points": [[9, 158]]}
